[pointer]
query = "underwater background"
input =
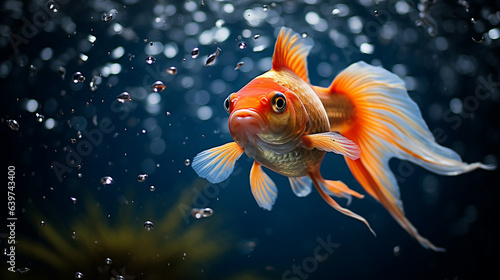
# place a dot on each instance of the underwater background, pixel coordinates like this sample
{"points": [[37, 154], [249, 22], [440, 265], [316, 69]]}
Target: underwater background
{"points": [[105, 103]]}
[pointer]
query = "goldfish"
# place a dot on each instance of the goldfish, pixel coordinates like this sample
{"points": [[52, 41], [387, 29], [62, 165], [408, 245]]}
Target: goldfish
{"points": [[288, 125]]}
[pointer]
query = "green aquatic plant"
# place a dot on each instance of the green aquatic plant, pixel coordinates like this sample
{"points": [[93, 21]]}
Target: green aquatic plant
{"points": [[95, 246]]}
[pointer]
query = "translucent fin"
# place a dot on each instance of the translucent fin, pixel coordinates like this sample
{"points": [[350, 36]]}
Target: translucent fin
{"points": [[332, 142], [263, 188], [291, 51], [389, 124], [301, 186], [217, 164], [322, 185]]}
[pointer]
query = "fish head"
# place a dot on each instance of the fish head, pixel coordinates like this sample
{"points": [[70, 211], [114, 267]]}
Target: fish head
{"points": [[264, 112]]}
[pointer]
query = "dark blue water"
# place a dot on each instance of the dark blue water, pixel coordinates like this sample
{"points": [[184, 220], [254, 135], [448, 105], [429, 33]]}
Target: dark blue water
{"points": [[71, 135]]}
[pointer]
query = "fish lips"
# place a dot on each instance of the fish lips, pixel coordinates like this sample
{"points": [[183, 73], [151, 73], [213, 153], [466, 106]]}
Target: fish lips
{"points": [[245, 124]]}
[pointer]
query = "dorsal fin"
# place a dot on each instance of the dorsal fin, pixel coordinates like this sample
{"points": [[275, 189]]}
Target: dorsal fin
{"points": [[291, 51]]}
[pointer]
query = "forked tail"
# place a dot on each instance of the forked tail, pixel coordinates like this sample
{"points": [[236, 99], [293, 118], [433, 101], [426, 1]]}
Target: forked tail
{"points": [[387, 123]]}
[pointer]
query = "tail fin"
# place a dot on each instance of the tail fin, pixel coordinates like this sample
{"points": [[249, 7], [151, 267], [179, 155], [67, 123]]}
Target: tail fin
{"points": [[387, 123]]}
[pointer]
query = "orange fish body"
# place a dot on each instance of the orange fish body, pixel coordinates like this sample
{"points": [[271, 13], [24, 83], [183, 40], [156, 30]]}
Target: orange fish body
{"points": [[287, 125]]}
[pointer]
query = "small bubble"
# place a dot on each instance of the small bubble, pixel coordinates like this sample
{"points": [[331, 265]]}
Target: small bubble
{"points": [[109, 261], [78, 78], [107, 180], [168, 114], [107, 16], [150, 60], [42, 223], [52, 6], [265, 8], [172, 70], [256, 36], [195, 52], [62, 71], [199, 213], [336, 12], [123, 97], [187, 162], [375, 13], [158, 86], [73, 140], [211, 58], [478, 40], [73, 235], [32, 70], [473, 20], [73, 199], [142, 177], [119, 277], [39, 117], [13, 124], [397, 251], [79, 275], [148, 225], [238, 65], [304, 35], [243, 45], [152, 188]]}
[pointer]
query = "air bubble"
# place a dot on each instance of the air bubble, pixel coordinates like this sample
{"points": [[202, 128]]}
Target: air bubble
{"points": [[158, 86], [211, 58], [78, 78], [195, 52], [123, 97], [52, 6], [148, 225], [79, 275], [73, 199], [187, 162], [242, 45], [62, 71], [39, 117], [172, 70], [107, 180], [109, 261], [42, 223], [152, 188], [142, 177], [107, 16], [256, 36], [13, 124], [199, 213], [238, 65], [150, 60]]}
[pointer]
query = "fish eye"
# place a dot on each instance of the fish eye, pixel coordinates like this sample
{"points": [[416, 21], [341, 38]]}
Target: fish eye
{"points": [[227, 103], [278, 102]]}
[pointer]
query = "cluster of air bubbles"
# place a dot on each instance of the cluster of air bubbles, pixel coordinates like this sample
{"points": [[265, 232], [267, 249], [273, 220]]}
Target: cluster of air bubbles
{"points": [[195, 52], [148, 225], [79, 275], [142, 177], [78, 78], [107, 16], [211, 58], [238, 65], [150, 60], [199, 213], [39, 117], [158, 86], [52, 6], [123, 97], [107, 180], [13, 124], [172, 70]]}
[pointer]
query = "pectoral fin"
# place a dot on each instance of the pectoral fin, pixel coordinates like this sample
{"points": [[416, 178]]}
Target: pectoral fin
{"points": [[332, 142], [263, 188], [217, 164]]}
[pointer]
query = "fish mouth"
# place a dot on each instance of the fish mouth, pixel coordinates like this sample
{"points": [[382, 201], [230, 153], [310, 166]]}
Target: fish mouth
{"points": [[245, 124]]}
